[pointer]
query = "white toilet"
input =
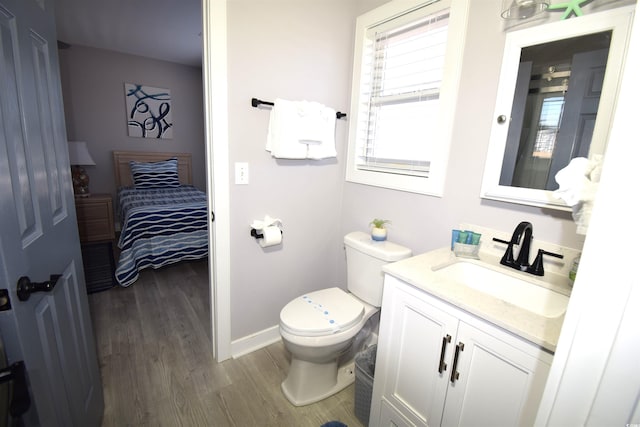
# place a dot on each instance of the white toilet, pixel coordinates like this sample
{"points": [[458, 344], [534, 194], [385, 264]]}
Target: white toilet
{"points": [[319, 327]]}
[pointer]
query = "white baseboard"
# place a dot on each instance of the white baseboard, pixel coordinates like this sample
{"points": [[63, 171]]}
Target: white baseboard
{"points": [[253, 342], [266, 337]]}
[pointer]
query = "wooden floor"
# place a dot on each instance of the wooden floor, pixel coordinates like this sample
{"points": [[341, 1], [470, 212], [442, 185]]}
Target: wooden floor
{"points": [[154, 345]]}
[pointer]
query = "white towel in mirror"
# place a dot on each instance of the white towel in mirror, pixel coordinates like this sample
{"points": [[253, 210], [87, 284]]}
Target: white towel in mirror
{"points": [[578, 185]]}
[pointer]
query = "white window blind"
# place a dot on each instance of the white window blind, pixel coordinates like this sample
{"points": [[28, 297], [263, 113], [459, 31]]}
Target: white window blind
{"points": [[548, 126], [403, 72]]}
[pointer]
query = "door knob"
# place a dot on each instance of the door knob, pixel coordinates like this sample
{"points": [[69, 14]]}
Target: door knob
{"points": [[26, 287]]}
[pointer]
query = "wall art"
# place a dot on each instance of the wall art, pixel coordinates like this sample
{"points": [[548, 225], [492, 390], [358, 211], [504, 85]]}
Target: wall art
{"points": [[148, 111]]}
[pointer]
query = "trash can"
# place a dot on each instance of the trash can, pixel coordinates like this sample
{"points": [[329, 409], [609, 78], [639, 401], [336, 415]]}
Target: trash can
{"points": [[365, 368]]}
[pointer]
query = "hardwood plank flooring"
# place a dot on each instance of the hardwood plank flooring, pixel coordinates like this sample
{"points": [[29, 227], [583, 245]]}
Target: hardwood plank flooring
{"points": [[153, 342]]}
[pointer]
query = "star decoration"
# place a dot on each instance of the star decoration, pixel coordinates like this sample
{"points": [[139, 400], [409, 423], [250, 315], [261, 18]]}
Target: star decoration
{"points": [[572, 6]]}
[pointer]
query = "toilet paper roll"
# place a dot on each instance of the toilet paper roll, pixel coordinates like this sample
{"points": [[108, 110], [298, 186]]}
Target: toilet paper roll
{"points": [[271, 236]]}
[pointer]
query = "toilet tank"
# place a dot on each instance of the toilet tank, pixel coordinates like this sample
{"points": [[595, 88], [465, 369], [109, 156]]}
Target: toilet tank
{"points": [[365, 258]]}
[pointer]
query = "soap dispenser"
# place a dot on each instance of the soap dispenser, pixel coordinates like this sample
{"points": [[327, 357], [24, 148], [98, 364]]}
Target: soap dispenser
{"points": [[574, 269]]}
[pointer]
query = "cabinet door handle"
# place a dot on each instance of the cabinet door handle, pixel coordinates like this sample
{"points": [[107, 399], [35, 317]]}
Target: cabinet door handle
{"points": [[454, 373], [443, 366]]}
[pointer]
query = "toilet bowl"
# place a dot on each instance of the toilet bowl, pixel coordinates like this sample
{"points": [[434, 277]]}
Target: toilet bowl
{"points": [[319, 328], [331, 318]]}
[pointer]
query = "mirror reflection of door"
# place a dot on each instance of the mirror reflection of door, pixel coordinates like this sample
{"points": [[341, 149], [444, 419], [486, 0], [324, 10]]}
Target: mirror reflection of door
{"points": [[554, 109]]}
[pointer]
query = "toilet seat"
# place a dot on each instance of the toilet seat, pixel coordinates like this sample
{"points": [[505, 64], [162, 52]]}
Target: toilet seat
{"points": [[323, 312]]}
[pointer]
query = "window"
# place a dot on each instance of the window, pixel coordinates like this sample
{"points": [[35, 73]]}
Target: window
{"points": [[548, 126], [404, 89]]}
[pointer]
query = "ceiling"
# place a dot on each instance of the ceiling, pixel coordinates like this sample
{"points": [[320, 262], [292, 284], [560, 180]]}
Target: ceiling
{"points": [[169, 30]]}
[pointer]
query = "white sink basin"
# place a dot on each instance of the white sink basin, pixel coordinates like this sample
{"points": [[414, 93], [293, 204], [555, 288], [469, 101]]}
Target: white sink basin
{"points": [[519, 292]]}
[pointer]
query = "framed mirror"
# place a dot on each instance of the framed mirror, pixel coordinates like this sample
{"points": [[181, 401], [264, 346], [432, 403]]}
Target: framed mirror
{"points": [[556, 100]]}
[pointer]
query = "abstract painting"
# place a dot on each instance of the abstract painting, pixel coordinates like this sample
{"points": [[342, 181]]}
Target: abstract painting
{"points": [[148, 111]]}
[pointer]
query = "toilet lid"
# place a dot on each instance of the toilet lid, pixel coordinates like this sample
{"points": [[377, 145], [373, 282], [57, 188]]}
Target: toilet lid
{"points": [[321, 312]]}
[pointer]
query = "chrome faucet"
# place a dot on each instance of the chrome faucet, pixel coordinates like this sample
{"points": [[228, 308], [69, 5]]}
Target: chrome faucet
{"points": [[522, 262]]}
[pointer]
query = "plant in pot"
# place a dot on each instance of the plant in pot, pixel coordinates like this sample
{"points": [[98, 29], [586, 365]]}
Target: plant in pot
{"points": [[378, 229]]}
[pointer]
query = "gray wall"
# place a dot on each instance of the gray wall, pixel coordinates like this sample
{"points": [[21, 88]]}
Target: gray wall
{"points": [[424, 222], [292, 50], [297, 50], [93, 90]]}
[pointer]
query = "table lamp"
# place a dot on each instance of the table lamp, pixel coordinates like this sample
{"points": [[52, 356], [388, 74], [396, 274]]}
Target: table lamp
{"points": [[79, 156]]}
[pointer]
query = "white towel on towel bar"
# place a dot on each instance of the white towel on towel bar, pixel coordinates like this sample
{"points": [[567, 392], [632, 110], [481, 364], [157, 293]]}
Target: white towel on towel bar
{"points": [[313, 122], [316, 128], [301, 129], [282, 140]]}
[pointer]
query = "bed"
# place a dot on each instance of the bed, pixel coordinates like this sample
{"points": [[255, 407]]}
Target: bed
{"points": [[163, 216]]}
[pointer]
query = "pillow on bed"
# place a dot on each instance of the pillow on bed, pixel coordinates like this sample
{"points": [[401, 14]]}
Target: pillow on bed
{"points": [[155, 175]]}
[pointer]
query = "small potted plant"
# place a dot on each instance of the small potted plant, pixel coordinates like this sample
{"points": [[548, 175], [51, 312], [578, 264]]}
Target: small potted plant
{"points": [[378, 229]]}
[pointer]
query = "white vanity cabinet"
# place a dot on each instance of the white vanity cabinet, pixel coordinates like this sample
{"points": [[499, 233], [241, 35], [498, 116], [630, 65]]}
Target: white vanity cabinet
{"points": [[439, 365]]}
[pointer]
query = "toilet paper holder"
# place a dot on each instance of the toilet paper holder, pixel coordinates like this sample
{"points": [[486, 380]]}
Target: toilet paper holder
{"points": [[255, 233]]}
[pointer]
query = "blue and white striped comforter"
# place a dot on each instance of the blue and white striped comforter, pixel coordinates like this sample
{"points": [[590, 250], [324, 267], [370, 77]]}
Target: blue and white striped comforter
{"points": [[160, 227]]}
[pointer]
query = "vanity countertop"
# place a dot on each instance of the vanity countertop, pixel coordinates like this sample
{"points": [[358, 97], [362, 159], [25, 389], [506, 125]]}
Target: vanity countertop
{"points": [[417, 271]]}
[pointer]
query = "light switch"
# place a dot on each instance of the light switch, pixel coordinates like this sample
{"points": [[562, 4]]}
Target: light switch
{"points": [[242, 173]]}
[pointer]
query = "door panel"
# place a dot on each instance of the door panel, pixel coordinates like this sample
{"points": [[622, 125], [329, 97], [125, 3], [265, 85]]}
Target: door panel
{"points": [[417, 383], [12, 131], [54, 406], [66, 351], [43, 76], [496, 375]]}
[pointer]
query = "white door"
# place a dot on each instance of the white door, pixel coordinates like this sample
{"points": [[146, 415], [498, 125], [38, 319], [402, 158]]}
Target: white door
{"points": [[50, 331], [494, 383], [413, 359]]}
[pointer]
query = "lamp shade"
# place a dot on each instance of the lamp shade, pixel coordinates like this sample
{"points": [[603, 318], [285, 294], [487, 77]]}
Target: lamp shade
{"points": [[79, 154]]}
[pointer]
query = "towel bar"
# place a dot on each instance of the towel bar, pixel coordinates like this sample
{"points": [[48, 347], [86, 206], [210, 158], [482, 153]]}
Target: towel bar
{"points": [[255, 102]]}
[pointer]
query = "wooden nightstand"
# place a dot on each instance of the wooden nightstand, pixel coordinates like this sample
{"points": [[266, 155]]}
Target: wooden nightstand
{"points": [[95, 218], [95, 225]]}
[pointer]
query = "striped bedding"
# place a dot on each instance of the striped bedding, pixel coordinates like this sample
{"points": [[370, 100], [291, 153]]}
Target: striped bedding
{"points": [[160, 226]]}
